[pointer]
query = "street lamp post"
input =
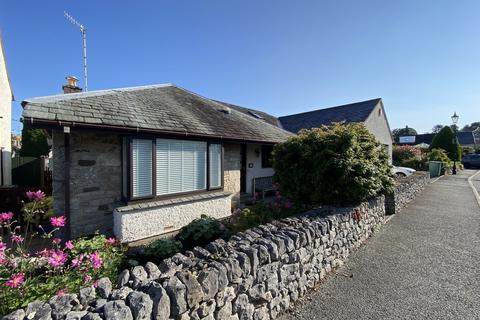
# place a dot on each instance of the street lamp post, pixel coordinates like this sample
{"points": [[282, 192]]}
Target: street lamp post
{"points": [[454, 121]]}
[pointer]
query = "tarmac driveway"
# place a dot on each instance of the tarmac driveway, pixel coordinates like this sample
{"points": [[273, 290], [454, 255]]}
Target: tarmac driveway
{"points": [[424, 264]]}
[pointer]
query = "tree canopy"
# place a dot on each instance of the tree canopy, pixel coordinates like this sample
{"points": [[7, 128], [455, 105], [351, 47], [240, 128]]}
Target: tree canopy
{"points": [[34, 142], [447, 141], [401, 132], [471, 127]]}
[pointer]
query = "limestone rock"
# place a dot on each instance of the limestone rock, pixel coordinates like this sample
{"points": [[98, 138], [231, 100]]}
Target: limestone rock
{"points": [[152, 271], [104, 287], [38, 310], [161, 301], [123, 278], [117, 310], [141, 305]]}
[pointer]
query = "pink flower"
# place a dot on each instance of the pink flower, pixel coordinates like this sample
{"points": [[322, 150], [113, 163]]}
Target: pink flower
{"points": [[56, 241], [61, 292], [96, 260], [58, 221], [57, 258], [77, 261], [3, 258], [16, 280], [6, 216], [69, 245], [111, 241], [16, 238], [3, 246], [35, 195], [87, 278], [44, 253]]}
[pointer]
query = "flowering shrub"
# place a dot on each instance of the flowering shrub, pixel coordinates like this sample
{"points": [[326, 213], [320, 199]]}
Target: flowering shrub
{"points": [[26, 276], [409, 156]]}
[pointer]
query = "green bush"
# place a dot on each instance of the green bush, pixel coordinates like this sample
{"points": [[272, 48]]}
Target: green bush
{"points": [[162, 249], [445, 140], [335, 165], [201, 231], [262, 212], [442, 156]]}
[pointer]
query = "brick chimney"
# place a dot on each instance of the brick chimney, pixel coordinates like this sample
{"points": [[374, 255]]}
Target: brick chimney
{"points": [[71, 86]]}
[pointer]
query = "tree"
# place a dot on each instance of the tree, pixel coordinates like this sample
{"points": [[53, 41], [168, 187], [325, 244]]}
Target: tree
{"points": [[332, 165], [401, 132], [471, 127], [447, 141], [34, 142], [436, 128]]}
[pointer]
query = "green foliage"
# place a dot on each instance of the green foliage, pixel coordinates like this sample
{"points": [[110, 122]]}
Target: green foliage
{"points": [[162, 249], [436, 128], [334, 165], [446, 140], [37, 212], [440, 155], [200, 232], [467, 150], [34, 142], [472, 126], [261, 213], [42, 280], [401, 132]]}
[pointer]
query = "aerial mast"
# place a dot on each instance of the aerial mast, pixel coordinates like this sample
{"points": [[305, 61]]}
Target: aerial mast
{"points": [[83, 30]]}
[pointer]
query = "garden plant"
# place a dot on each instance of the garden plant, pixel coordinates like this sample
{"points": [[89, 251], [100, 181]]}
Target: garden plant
{"points": [[60, 268]]}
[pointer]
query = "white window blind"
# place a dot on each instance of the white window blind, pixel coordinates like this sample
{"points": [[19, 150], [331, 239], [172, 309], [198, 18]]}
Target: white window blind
{"points": [[181, 166], [142, 167], [215, 165]]}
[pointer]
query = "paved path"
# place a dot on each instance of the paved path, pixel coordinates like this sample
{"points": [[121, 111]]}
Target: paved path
{"points": [[424, 264]]}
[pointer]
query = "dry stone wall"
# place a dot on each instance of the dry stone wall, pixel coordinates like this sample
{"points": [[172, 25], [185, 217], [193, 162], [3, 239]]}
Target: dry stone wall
{"points": [[405, 191], [257, 274]]}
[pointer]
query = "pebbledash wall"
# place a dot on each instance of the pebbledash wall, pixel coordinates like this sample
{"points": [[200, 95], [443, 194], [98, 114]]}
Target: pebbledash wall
{"points": [[406, 189], [257, 274]]}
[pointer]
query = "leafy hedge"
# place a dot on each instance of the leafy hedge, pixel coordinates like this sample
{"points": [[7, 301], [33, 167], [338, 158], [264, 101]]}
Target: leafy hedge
{"points": [[445, 140], [335, 165]]}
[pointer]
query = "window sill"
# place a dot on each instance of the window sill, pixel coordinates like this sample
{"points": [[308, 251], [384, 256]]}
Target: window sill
{"points": [[173, 201]]}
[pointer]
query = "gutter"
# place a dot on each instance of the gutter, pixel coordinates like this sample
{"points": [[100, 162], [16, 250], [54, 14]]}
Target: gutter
{"points": [[137, 130]]}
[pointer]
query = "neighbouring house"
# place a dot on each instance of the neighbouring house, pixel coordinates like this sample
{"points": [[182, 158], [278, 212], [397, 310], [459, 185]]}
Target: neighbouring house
{"points": [[465, 139], [370, 112], [6, 98], [145, 161]]}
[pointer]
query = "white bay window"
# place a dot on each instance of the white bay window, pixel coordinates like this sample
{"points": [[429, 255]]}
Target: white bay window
{"points": [[161, 167]]}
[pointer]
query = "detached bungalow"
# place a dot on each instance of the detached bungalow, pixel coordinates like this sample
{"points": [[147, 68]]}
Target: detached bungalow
{"points": [[145, 161], [370, 112]]}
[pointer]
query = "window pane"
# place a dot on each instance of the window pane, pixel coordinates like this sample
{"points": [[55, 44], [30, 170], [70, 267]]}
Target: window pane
{"points": [[181, 166], [215, 165], [142, 167]]}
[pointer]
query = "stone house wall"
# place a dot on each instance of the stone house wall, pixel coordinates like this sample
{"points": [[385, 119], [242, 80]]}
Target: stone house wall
{"points": [[95, 179], [406, 190]]}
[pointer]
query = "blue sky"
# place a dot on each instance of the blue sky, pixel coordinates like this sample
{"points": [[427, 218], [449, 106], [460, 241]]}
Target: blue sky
{"points": [[283, 57]]}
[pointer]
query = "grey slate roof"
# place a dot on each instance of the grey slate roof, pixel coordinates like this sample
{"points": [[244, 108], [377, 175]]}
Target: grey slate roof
{"points": [[353, 112], [464, 138], [160, 108], [254, 113]]}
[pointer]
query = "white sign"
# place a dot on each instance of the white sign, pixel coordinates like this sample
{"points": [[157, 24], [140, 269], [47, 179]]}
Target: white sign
{"points": [[407, 139]]}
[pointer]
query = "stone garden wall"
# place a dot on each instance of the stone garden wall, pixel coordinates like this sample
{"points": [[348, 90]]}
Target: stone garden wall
{"points": [[406, 190], [257, 274]]}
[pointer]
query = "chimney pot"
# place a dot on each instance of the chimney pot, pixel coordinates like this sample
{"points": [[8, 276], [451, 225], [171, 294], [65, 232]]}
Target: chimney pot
{"points": [[71, 86]]}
